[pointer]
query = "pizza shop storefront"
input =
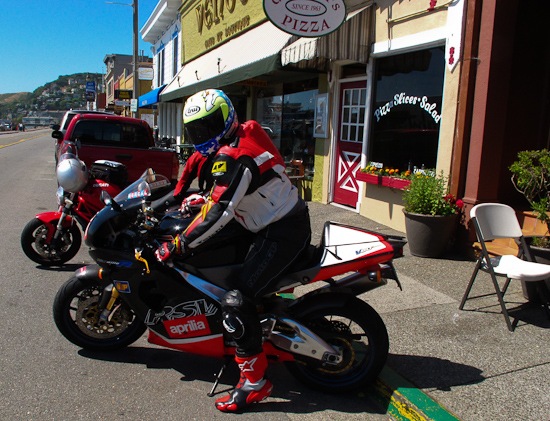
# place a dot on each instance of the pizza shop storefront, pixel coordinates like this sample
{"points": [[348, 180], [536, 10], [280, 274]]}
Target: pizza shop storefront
{"points": [[334, 103]]}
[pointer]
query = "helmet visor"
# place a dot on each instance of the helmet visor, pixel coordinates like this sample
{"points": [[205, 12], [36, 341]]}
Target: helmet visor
{"points": [[206, 128]]}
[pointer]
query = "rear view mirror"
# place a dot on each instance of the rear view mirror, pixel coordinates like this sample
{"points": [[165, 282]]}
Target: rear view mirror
{"points": [[56, 134]]}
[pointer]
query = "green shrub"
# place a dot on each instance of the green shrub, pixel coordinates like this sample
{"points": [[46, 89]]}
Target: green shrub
{"points": [[428, 194], [531, 177]]}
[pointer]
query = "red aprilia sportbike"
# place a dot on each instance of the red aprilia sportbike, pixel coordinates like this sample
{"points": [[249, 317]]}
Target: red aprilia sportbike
{"points": [[328, 337], [53, 238]]}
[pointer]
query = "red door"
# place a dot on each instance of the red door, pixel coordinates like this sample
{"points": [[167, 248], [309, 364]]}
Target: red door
{"points": [[351, 126]]}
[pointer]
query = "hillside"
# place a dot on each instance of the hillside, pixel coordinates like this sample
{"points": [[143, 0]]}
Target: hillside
{"points": [[64, 93], [7, 98]]}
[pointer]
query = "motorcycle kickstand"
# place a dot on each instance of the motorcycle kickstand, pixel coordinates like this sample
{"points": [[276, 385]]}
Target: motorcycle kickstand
{"points": [[227, 359]]}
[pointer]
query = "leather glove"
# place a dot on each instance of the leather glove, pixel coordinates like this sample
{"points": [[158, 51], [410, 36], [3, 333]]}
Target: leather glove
{"points": [[191, 204], [168, 249]]}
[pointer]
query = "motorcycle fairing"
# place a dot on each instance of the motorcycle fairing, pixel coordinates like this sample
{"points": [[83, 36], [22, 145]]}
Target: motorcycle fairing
{"points": [[348, 249], [178, 308], [210, 346]]}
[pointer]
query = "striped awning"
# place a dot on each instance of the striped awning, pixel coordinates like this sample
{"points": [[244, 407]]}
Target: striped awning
{"points": [[350, 42]]}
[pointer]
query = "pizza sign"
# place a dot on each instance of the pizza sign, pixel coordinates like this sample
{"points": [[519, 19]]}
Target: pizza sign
{"points": [[306, 18]]}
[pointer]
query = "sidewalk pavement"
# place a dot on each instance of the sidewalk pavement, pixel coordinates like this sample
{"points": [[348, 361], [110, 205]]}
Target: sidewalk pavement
{"points": [[445, 363]]}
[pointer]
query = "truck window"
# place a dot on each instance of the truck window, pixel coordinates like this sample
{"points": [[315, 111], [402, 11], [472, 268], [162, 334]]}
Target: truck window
{"points": [[106, 133]]}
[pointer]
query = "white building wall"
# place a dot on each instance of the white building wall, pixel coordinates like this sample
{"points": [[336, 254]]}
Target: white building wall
{"points": [[159, 30]]}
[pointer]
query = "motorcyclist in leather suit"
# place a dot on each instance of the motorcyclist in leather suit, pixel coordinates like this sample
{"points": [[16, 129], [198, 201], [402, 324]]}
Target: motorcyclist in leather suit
{"points": [[250, 186]]}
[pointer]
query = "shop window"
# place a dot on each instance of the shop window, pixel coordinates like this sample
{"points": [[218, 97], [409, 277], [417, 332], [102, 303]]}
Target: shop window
{"points": [[406, 118], [288, 119]]}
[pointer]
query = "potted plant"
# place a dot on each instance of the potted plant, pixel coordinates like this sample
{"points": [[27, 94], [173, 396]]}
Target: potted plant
{"points": [[431, 214], [531, 177]]}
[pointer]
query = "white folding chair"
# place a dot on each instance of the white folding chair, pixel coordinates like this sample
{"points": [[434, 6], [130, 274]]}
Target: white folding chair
{"points": [[492, 221]]}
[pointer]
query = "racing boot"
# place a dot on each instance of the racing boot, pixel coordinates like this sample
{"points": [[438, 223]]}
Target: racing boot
{"points": [[252, 387]]}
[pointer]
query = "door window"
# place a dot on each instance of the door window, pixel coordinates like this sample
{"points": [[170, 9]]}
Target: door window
{"points": [[354, 102]]}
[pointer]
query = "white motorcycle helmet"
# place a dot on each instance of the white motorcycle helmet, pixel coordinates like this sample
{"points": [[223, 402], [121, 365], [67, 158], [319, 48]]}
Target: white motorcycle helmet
{"points": [[72, 173]]}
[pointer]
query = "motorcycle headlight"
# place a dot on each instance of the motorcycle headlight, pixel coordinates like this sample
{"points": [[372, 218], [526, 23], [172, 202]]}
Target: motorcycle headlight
{"points": [[60, 196]]}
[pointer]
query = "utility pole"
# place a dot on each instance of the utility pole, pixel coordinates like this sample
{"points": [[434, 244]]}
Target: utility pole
{"points": [[135, 90], [136, 64]]}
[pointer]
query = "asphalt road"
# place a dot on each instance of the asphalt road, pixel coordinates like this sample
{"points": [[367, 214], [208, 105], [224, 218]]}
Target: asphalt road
{"points": [[44, 377]]}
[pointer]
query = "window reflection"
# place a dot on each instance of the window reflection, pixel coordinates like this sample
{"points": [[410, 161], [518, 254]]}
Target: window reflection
{"points": [[289, 119]]}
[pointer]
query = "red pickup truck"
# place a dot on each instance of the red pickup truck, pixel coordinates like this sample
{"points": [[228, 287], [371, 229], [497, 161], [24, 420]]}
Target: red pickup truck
{"points": [[123, 139]]}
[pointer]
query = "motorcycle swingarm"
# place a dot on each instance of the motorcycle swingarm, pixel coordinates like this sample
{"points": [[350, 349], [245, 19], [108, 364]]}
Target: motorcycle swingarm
{"points": [[295, 338]]}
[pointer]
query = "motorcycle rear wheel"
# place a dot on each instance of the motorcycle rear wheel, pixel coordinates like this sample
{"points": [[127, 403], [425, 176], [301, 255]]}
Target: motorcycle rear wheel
{"points": [[76, 315], [359, 332], [35, 247]]}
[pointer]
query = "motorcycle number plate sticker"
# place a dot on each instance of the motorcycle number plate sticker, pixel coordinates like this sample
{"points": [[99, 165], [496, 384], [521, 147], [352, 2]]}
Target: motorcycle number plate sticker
{"points": [[187, 327], [123, 287]]}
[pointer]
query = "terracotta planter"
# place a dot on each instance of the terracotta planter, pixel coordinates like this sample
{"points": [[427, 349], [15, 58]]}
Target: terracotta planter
{"points": [[428, 235]]}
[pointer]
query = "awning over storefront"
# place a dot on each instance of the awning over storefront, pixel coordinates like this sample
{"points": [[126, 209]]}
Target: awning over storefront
{"points": [[252, 54], [350, 42], [151, 98]]}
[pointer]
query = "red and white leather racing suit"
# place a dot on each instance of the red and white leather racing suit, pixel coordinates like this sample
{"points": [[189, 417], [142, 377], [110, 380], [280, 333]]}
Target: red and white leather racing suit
{"points": [[250, 185]]}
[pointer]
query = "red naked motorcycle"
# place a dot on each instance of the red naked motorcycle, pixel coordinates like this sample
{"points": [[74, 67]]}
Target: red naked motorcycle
{"points": [[328, 337], [53, 238]]}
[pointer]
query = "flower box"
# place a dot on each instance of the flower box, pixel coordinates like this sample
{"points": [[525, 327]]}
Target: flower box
{"points": [[383, 180]]}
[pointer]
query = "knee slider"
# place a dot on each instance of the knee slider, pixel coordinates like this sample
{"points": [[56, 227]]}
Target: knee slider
{"points": [[233, 325]]}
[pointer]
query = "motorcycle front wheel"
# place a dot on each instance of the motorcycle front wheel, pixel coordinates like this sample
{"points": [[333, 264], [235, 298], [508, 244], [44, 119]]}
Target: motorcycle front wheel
{"points": [[360, 335], [77, 316], [36, 246]]}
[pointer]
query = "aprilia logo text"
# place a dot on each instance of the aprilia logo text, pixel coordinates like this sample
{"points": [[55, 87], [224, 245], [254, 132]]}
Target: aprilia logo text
{"points": [[187, 327]]}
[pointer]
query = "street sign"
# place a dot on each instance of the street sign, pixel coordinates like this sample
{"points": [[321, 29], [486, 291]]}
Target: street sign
{"points": [[145, 73], [90, 86], [123, 94]]}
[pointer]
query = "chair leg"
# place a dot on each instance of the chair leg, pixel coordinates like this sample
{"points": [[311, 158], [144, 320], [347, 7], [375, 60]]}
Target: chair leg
{"points": [[500, 296], [500, 293], [470, 284], [505, 287]]}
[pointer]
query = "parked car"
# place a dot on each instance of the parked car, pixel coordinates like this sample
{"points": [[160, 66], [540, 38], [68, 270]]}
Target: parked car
{"points": [[123, 139], [67, 118]]}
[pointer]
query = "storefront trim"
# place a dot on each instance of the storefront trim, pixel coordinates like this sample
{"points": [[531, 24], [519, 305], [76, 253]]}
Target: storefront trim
{"points": [[418, 41]]}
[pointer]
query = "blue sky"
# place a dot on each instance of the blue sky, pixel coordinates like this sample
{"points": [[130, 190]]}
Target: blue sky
{"points": [[43, 39]]}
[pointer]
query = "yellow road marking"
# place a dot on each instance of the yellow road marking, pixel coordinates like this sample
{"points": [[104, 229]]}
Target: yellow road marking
{"points": [[19, 141]]}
